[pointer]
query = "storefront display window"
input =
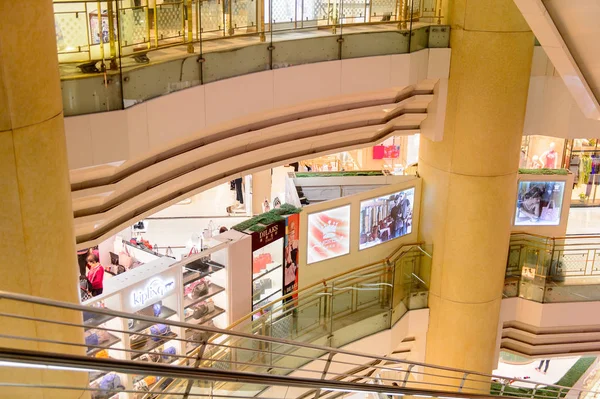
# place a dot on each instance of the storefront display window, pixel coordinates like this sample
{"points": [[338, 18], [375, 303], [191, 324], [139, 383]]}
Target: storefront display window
{"points": [[583, 159], [539, 203], [385, 218], [328, 234], [267, 264], [394, 154], [538, 152]]}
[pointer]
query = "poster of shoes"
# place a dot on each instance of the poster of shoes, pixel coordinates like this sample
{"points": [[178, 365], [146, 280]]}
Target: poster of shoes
{"points": [[328, 234]]}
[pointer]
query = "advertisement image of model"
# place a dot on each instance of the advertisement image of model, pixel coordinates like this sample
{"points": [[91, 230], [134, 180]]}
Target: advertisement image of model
{"points": [[539, 203], [290, 256], [385, 218], [328, 234]]}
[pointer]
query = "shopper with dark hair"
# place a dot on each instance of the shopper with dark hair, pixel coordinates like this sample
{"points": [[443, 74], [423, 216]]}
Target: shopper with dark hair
{"points": [[96, 274]]}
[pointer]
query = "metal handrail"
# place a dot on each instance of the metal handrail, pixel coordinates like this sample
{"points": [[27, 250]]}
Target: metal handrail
{"points": [[456, 380], [394, 255], [65, 361]]}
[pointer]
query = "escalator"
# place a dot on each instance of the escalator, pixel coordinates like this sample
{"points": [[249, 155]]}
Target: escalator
{"points": [[289, 348]]}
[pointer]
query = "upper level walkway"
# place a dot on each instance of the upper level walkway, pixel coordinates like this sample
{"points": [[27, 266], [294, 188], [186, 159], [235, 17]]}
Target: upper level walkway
{"points": [[146, 50]]}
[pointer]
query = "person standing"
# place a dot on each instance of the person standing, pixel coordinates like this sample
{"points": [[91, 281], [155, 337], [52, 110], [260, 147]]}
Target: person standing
{"points": [[95, 275], [539, 368]]}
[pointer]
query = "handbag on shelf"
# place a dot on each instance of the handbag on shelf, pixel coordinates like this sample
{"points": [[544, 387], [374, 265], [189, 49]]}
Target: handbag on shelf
{"points": [[138, 341], [125, 259], [150, 357], [168, 354], [169, 253], [550, 212], [197, 289], [203, 308], [152, 310], [159, 331]]}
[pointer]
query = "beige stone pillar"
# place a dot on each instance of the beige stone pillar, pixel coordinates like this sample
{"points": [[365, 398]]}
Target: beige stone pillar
{"points": [[470, 180], [261, 189], [37, 246]]}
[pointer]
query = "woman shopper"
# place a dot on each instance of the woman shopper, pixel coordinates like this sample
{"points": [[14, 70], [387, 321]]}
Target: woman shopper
{"points": [[95, 275]]}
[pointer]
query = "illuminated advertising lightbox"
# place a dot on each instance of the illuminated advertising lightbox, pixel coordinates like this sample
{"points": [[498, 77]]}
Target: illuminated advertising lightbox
{"points": [[385, 218], [539, 203], [328, 234]]}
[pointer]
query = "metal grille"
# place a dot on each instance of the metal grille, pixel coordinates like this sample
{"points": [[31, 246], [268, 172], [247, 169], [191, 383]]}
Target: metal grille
{"points": [[169, 20], [71, 32], [282, 328], [313, 11], [211, 12], [383, 10], [133, 26], [354, 9], [243, 13], [574, 263]]}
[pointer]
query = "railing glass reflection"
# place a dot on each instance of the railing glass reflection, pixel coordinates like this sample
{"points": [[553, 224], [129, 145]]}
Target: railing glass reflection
{"points": [[553, 269], [121, 49]]}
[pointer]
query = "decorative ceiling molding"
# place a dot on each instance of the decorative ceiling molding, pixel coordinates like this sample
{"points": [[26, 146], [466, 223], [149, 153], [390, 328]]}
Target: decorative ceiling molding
{"points": [[109, 198]]}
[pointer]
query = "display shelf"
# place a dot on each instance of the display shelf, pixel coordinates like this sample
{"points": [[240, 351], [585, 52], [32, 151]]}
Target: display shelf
{"points": [[263, 274], [151, 345], [270, 296], [105, 345], [209, 316], [213, 290], [97, 320], [165, 313], [191, 275]]}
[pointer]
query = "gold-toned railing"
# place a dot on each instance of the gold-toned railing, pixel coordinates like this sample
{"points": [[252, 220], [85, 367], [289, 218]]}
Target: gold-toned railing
{"points": [[89, 31], [553, 269]]}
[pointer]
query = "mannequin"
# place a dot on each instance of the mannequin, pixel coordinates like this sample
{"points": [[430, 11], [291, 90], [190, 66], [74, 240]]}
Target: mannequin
{"points": [[536, 163], [549, 157]]}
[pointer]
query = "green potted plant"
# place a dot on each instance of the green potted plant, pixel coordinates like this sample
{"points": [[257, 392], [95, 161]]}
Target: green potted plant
{"points": [[582, 197]]}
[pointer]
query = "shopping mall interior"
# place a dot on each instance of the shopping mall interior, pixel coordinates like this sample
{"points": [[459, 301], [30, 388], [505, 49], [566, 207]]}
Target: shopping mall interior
{"points": [[299, 199]]}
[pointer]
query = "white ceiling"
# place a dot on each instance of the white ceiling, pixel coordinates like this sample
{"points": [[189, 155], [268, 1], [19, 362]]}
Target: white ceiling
{"points": [[569, 32]]}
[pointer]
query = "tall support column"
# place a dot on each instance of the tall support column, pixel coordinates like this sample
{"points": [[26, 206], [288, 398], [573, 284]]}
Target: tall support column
{"points": [[37, 245], [261, 190], [470, 180]]}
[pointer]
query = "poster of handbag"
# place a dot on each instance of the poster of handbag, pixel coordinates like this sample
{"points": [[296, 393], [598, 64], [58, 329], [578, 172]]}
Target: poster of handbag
{"points": [[539, 203]]}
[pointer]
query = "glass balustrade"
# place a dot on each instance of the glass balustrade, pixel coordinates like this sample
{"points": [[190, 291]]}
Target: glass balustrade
{"points": [[115, 54], [548, 269]]}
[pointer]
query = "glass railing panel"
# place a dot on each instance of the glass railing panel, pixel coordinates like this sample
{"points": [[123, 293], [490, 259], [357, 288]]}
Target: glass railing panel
{"points": [[419, 37], [546, 269], [354, 12], [389, 41], [134, 29], [222, 62], [169, 23], [304, 51], [212, 19], [383, 11]]}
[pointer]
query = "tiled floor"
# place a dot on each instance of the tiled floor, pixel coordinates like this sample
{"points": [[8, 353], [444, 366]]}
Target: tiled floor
{"points": [[584, 221], [556, 370]]}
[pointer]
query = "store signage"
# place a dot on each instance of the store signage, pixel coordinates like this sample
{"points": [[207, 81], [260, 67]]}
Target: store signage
{"points": [[155, 290], [272, 233]]}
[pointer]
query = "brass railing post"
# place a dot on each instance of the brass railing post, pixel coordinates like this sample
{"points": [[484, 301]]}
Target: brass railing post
{"points": [[111, 34], [260, 19], [190, 26], [231, 28], [402, 4]]}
